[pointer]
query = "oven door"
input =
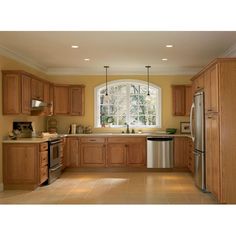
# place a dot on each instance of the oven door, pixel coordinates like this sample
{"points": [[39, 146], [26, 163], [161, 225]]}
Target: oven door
{"points": [[55, 153]]}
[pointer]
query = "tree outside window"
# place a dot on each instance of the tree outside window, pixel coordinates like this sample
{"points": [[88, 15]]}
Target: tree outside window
{"points": [[127, 103]]}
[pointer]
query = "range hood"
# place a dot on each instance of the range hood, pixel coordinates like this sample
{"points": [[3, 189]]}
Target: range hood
{"points": [[38, 105]]}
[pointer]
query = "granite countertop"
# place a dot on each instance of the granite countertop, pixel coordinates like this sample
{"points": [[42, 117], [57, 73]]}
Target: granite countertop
{"points": [[45, 139]]}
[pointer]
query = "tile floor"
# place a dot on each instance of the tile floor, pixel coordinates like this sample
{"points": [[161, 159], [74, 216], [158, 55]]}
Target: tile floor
{"points": [[113, 188]]}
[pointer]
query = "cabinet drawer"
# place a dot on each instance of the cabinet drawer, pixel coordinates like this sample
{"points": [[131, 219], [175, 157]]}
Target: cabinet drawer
{"points": [[125, 140], [93, 140], [43, 158], [43, 147], [43, 174]]}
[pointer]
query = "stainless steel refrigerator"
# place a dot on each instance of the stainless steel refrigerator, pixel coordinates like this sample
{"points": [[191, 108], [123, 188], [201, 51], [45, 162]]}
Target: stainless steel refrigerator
{"points": [[198, 135]]}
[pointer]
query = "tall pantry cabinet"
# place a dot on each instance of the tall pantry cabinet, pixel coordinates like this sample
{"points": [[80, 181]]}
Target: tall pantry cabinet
{"points": [[220, 128]]}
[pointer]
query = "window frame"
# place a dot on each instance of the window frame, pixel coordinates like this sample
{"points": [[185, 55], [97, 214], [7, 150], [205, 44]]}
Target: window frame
{"points": [[127, 81]]}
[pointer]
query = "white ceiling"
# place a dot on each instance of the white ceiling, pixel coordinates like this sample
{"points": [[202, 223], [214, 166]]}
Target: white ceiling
{"points": [[125, 52]]}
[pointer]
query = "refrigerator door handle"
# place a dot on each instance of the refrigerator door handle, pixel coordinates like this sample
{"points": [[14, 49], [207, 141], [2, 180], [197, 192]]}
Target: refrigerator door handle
{"points": [[191, 122]]}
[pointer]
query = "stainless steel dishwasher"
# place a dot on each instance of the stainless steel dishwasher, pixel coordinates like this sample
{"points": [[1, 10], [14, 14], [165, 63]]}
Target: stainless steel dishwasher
{"points": [[159, 152]]}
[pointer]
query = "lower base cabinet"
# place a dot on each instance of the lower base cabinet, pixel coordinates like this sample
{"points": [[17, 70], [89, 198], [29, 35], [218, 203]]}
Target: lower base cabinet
{"points": [[24, 166], [72, 157], [116, 154], [126, 152], [183, 153], [93, 155]]}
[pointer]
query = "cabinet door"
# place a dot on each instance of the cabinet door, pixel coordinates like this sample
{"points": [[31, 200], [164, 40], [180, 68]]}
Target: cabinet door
{"points": [[116, 154], [181, 152], [178, 96], [73, 152], [61, 100], [136, 154], [213, 155], [11, 89], [188, 99], [21, 164], [26, 94], [77, 101], [198, 83], [93, 155], [46, 97], [37, 89], [211, 90]]}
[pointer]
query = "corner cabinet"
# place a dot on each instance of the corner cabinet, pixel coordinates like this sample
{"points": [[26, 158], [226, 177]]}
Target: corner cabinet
{"points": [[24, 166]]}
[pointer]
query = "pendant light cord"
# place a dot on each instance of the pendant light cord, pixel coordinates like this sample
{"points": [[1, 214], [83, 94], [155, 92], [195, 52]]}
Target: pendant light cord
{"points": [[148, 67], [106, 67]]}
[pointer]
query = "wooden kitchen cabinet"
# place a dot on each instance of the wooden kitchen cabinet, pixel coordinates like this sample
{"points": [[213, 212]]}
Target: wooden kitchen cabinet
{"points": [[16, 92], [61, 100], [25, 94], [69, 100], [178, 95], [181, 152], [126, 151], [76, 94], [24, 166], [11, 93], [213, 155], [73, 152], [181, 100], [93, 152], [116, 154], [198, 82], [43, 159], [211, 90], [37, 89], [188, 99]]}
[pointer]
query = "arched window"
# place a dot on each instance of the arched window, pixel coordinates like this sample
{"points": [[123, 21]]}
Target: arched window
{"points": [[128, 103]]}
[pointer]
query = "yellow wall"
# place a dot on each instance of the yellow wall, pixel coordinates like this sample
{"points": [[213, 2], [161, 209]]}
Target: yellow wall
{"points": [[91, 82], [6, 121]]}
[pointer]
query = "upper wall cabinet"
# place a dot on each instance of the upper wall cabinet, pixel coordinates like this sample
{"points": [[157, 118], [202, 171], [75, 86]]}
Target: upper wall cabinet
{"points": [[198, 83], [76, 100], [16, 93], [68, 100], [61, 100], [182, 99], [211, 89], [37, 87]]}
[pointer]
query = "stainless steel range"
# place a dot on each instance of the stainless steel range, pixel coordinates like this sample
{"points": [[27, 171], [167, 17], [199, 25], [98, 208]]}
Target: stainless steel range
{"points": [[54, 158]]}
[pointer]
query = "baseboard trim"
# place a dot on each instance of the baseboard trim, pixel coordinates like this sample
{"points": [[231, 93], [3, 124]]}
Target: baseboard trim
{"points": [[1, 187]]}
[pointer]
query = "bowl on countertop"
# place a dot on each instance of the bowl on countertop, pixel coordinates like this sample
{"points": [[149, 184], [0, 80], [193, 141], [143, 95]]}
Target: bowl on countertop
{"points": [[171, 130]]}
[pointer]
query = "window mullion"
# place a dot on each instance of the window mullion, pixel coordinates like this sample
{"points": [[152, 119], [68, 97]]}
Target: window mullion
{"points": [[128, 103]]}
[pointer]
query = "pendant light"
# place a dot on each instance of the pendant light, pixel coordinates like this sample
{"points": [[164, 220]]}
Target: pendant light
{"points": [[106, 94], [148, 92]]}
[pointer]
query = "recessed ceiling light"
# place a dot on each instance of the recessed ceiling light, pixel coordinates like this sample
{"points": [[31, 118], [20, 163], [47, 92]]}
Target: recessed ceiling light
{"points": [[169, 46], [74, 46], [87, 59], [164, 59]]}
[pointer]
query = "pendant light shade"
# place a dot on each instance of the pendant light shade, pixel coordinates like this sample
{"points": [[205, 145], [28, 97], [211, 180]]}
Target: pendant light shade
{"points": [[148, 67]]}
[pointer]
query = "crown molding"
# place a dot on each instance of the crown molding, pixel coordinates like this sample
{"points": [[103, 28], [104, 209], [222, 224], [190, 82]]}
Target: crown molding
{"points": [[22, 59], [230, 52]]}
